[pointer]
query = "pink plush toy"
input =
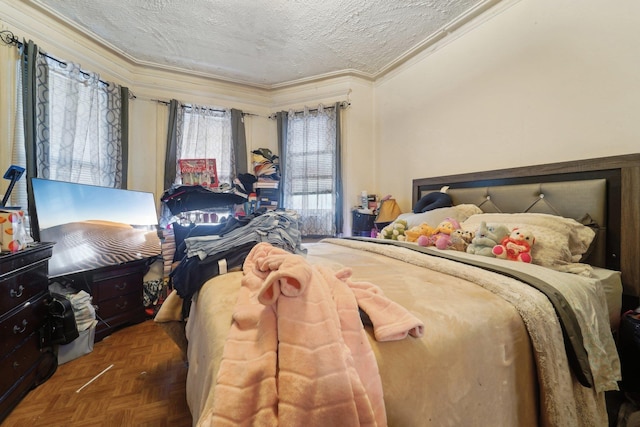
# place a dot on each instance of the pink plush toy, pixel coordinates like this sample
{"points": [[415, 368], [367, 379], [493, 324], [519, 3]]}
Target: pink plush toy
{"points": [[442, 236], [516, 246], [424, 240]]}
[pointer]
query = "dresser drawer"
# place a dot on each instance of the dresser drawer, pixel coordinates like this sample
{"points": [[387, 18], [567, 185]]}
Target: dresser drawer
{"points": [[17, 289], [116, 286], [22, 322], [28, 371], [122, 304], [11, 263], [16, 364]]}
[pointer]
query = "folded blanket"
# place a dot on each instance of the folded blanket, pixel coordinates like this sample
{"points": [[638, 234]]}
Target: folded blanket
{"points": [[297, 353]]}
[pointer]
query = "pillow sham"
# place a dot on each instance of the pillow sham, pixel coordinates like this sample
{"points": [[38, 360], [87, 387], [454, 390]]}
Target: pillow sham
{"points": [[560, 242], [436, 216]]}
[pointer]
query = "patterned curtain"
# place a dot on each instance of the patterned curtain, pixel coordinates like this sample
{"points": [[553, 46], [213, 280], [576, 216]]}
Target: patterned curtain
{"points": [[85, 128], [310, 158]]}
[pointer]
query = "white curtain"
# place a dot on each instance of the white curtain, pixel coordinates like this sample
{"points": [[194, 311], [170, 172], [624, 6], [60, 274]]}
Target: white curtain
{"points": [[205, 133], [310, 186], [84, 128]]}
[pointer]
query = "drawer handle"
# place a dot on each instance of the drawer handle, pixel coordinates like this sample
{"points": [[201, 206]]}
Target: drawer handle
{"points": [[18, 293], [121, 286], [18, 330], [122, 306], [16, 365]]}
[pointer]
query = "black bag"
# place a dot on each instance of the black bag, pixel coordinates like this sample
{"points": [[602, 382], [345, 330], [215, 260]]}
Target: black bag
{"points": [[629, 349], [61, 322]]}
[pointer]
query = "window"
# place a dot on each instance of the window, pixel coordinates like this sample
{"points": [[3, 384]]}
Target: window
{"points": [[79, 126], [84, 128], [311, 170], [205, 133]]}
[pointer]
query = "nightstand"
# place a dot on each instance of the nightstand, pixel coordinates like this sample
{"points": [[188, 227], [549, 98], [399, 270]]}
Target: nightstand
{"points": [[362, 224], [24, 298]]}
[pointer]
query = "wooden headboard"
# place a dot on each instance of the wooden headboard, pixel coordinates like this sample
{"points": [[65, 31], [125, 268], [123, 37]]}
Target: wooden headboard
{"points": [[622, 176]]}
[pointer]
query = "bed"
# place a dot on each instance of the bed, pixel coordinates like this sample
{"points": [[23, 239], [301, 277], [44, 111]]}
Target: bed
{"points": [[495, 350]]}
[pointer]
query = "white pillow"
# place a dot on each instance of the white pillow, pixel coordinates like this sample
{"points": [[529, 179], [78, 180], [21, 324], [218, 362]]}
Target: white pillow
{"points": [[436, 216], [560, 242]]}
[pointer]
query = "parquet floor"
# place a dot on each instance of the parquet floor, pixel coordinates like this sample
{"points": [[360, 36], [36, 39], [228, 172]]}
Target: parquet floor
{"points": [[145, 386]]}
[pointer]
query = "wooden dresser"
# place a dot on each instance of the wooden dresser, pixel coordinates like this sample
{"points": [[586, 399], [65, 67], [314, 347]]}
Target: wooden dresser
{"points": [[24, 297], [117, 295]]}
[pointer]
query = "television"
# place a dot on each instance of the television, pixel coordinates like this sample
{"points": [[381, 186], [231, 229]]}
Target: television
{"points": [[93, 227]]}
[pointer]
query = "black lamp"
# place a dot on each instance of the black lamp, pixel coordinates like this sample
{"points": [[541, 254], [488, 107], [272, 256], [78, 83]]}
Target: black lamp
{"points": [[13, 173]]}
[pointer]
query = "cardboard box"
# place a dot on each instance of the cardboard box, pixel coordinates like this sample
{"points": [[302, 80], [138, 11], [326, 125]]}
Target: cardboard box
{"points": [[13, 234], [199, 172]]}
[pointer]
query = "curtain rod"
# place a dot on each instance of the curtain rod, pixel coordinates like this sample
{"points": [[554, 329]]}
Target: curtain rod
{"points": [[215, 110], [9, 38], [342, 104], [160, 101]]}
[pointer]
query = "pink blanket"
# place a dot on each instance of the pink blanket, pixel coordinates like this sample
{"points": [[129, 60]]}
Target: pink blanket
{"points": [[297, 353]]}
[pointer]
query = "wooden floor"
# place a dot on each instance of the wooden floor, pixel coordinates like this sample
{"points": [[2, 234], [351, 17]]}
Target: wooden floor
{"points": [[145, 386]]}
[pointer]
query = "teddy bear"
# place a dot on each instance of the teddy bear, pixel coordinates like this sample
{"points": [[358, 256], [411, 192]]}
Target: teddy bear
{"points": [[460, 240], [516, 246], [415, 232], [486, 237], [442, 234], [394, 231]]}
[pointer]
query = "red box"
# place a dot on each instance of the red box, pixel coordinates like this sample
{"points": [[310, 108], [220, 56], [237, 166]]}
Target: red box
{"points": [[199, 172]]}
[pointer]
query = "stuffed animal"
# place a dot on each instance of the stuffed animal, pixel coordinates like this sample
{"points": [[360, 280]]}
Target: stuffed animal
{"points": [[414, 233], [442, 234], [516, 246], [460, 240], [424, 241], [394, 231], [486, 237]]}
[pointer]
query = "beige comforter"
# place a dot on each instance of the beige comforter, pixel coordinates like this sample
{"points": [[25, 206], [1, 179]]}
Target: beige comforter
{"points": [[483, 360], [296, 353]]}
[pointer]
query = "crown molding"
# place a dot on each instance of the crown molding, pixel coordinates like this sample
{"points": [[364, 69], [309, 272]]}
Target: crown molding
{"points": [[76, 32]]}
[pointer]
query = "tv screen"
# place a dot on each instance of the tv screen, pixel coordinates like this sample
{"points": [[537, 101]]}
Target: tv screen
{"points": [[92, 226]]}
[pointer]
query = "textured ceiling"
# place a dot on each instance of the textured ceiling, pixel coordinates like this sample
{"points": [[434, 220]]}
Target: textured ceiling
{"points": [[265, 43]]}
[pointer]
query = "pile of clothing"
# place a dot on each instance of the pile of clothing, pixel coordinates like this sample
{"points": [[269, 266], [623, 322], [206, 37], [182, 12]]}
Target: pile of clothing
{"points": [[265, 165], [225, 248], [83, 310], [266, 168]]}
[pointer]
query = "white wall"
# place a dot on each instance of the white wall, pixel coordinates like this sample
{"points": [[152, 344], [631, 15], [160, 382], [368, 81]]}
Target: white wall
{"points": [[538, 81]]}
